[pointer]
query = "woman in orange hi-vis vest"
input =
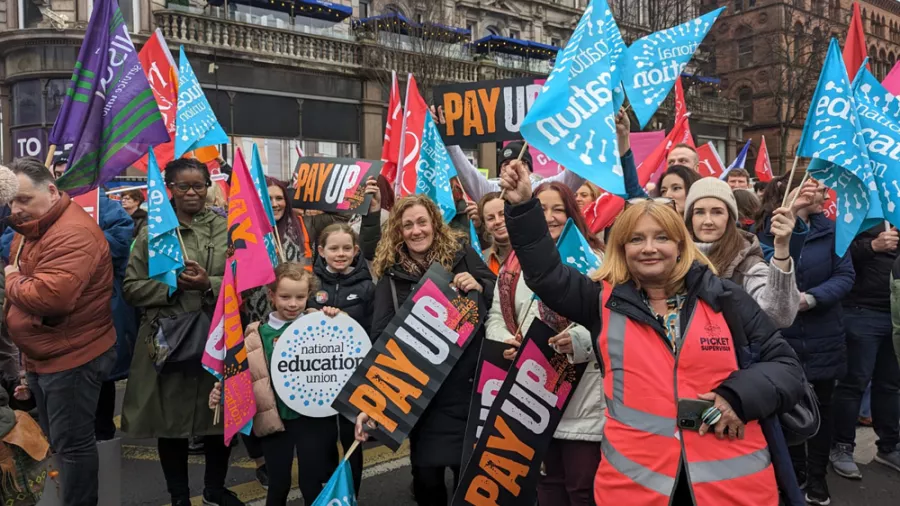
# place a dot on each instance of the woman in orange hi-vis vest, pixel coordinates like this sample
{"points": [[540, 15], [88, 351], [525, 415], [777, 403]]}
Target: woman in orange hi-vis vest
{"points": [[666, 328]]}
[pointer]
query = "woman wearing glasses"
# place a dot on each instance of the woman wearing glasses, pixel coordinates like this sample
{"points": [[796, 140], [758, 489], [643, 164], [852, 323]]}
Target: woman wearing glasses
{"points": [[173, 406], [131, 202], [682, 418], [711, 214]]}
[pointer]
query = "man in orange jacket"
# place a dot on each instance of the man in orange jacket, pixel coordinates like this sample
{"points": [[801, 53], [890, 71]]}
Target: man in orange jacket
{"points": [[58, 288]]}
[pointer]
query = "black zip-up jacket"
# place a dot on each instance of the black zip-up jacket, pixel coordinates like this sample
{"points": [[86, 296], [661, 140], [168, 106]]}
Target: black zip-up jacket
{"points": [[872, 289], [352, 293], [437, 438], [771, 385]]}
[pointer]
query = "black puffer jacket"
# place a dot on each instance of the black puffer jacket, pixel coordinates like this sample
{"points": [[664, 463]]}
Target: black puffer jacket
{"points": [[772, 385], [872, 289], [352, 293], [437, 438]]}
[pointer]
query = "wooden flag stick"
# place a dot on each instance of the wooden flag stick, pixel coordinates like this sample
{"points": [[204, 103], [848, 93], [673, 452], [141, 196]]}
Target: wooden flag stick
{"points": [[49, 159], [352, 449], [181, 241], [521, 154], [787, 189], [278, 245], [217, 414], [800, 188]]}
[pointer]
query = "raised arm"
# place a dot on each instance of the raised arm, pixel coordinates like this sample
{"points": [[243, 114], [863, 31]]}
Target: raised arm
{"points": [[562, 288], [473, 181]]}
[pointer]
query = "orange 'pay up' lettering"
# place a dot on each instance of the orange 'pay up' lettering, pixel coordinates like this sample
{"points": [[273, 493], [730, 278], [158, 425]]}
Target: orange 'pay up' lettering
{"points": [[373, 399], [310, 181], [471, 108], [499, 471]]}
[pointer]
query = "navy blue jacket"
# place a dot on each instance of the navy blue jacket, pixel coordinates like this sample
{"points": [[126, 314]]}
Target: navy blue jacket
{"points": [[352, 293], [817, 335]]}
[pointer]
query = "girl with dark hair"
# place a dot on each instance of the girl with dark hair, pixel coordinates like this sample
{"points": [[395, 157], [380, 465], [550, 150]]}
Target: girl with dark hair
{"points": [[172, 406], [675, 183], [574, 452], [711, 216]]}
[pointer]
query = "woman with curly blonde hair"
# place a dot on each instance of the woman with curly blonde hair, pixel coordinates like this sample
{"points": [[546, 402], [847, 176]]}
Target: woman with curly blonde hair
{"points": [[414, 237]]}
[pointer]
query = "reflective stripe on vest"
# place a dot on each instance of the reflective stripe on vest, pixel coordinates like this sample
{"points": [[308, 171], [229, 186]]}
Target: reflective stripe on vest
{"points": [[646, 448]]}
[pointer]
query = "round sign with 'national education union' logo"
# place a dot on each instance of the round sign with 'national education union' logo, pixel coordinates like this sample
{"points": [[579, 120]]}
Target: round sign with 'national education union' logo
{"points": [[314, 358]]}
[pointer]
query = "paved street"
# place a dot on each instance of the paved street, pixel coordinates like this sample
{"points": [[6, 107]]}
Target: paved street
{"points": [[387, 477]]}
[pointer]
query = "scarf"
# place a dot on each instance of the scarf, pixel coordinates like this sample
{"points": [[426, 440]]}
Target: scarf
{"points": [[410, 265], [508, 280]]}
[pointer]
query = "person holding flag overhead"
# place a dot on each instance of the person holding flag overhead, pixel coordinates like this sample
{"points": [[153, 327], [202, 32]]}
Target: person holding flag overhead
{"points": [[574, 452], [59, 287], [171, 405], [676, 377]]}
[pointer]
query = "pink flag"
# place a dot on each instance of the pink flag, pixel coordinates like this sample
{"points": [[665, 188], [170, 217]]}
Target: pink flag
{"points": [[892, 80], [247, 227], [240, 404]]}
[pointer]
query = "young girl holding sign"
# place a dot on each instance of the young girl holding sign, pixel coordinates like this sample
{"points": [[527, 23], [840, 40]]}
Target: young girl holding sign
{"points": [[280, 428], [344, 283]]}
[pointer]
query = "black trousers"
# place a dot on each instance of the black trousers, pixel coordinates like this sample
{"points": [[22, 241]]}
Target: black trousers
{"points": [[429, 486], [173, 455], [347, 428], [253, 444], [314, 441], [104, 425], [812, 457]]}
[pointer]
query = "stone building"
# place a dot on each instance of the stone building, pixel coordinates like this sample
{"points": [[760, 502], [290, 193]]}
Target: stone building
{"points": [[276, 71], [769, 55]]}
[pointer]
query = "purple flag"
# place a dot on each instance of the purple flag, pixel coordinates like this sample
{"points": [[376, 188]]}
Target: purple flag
{"points": [[109, 114]]}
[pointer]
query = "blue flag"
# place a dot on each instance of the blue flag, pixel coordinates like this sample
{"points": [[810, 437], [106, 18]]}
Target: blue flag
{"points": [[262, 189], [617, 48], [575, 250], [196, 125], [109, 114], [653, 63], [339, 489], [433, 171], [832, 138], [476, 243], [164, 249], [879, 118], [738, 162], [573, 119]]}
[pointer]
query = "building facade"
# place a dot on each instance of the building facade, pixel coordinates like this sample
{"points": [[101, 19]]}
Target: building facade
{"points": [[279, 76], [770, 53]]}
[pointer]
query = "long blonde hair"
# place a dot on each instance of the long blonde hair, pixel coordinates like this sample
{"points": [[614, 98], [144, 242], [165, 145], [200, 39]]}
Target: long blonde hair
{"points": [[392, 249], [615, 269]]}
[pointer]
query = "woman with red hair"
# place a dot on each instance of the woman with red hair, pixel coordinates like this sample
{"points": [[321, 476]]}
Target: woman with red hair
{"points": [[574, 453]]}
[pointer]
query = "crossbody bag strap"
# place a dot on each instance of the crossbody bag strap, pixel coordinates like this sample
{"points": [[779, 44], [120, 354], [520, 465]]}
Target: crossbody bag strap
{"points": [[394, 294]]}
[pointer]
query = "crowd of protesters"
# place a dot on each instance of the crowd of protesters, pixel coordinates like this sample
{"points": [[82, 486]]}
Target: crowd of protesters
{"points": [[700, 258]]}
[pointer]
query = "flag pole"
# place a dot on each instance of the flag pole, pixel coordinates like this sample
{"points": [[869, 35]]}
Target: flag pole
{"points": [[503, 193], [278, 243], [398, 178], [352, 449], [787, 189], [50, 152], [800, 188], [181, 243]]}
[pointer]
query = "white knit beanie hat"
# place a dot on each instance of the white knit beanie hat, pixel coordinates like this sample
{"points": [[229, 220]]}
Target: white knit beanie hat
{"points": [[711, 187]]}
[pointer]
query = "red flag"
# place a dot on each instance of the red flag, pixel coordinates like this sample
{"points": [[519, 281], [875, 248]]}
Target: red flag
{"points": [[393, 127], [710, 163], [411, 140], [162, 74], [655, 163], [855, 48], [763, 163], [682, 112], [830, 206], [603, 211]]}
